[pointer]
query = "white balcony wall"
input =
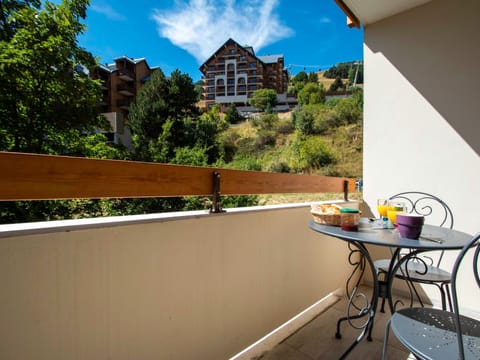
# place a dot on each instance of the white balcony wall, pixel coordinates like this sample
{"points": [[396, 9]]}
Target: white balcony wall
{"points": [[198, 286], [421, 125]]}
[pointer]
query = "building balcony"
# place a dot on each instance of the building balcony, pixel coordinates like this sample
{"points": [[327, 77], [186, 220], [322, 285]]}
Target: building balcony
{"points": [[124, 103], [126, 75], [126, 89], [145, 286]]}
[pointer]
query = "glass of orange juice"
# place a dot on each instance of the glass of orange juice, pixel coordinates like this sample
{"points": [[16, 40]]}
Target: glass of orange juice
{"points": [[382, 207], [393, 208]]}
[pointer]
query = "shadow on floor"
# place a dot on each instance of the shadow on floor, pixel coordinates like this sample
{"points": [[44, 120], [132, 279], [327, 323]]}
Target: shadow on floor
{"points": [[316, 340]]}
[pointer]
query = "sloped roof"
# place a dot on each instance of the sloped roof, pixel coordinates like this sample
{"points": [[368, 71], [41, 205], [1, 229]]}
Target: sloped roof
{"points": [[112, 67], [220, 48], [270, 59], [249, 49], [266, 59]]}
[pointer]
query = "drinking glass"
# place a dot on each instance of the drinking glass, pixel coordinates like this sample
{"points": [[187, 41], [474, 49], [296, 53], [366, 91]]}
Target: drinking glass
{"points": [[394, 207], [382, 207]]}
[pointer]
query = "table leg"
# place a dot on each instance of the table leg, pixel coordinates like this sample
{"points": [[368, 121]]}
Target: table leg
{"points": [[360, 259]]}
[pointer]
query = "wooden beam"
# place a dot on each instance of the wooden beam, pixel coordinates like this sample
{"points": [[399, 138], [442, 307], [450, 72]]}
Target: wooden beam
{"points": [[352, 20], [42, 177]]}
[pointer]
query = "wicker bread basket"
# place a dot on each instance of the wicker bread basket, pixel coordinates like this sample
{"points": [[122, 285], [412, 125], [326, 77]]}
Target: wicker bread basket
{"points": [[326, 214]]}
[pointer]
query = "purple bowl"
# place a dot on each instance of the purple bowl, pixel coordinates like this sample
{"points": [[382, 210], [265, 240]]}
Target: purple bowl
{"points": [[410, 219], [409, 231]]}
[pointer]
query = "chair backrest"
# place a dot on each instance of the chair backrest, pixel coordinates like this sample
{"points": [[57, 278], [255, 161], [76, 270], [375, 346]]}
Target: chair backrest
{"points": [[428, 205], [473, 245]]}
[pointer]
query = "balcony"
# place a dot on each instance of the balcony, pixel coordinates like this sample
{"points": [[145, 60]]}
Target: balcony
{"points": [[124, 103], [205, 286], [316, 340], [126, 89], [146, 285], [126, 75]]}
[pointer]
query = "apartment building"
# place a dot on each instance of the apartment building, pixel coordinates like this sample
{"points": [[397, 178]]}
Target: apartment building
{"points": [[234, 72], [121, 81]]}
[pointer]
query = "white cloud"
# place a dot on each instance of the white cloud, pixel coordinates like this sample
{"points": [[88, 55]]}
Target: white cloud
{"points": [[324, 20], [201, 26], [107, 10]]}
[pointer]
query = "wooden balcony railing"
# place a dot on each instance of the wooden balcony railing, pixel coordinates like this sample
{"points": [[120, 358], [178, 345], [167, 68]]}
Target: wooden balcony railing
{"points": [[46, 177]]}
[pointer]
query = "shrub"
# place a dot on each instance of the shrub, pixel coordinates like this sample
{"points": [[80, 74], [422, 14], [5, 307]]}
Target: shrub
{"points": [[264, 138], [279, 167], [190, 156], [245, 162], [310, 152], [233, 116], [302, 121]]}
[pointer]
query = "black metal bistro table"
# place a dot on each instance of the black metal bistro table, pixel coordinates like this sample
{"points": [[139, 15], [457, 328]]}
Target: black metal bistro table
{"points": [[432, 238]]}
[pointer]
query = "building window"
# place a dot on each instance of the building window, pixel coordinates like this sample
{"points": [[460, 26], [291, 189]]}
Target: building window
{"points": [[243, 58], [232, 51], [211, 67], [211, 96], [211, 82], [241, 80], [252, 79], [252, 65], [220, 82], [231, 89], [252, 87], [231, 81], [211, 89]]}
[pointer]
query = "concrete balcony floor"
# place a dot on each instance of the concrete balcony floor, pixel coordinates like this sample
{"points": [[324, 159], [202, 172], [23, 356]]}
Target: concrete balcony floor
{"points": [[316, 340]]}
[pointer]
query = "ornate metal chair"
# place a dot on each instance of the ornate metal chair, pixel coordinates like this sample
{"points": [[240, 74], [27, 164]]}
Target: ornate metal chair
{"points": [[424, 269], [440, 334]]}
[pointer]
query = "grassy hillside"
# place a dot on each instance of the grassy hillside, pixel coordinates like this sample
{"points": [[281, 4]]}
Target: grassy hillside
{"points": [[344, 141], [278, 147]]}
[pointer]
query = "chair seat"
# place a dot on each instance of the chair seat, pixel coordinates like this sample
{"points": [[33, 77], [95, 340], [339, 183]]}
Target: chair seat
{"points": [[416, 271], [431, 333]]}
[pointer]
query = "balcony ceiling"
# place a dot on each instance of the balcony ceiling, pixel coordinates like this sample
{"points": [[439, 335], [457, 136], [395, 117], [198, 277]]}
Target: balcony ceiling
{"points": [[371, 11]]}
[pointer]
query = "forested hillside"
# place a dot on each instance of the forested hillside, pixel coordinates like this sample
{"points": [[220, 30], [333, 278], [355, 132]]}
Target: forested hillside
{"points": [[49, 104]]}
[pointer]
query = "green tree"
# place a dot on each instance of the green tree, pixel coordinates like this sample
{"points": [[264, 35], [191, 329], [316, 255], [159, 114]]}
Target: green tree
{"points": [[312, 93], [313, 77], [46, 94], [233, 116], [340, 70], [336, 85], [302, 121], [350, 110], [206, 131], [48, 103], [309, 153], [162, 104], [8, 23], [263, 98], [301, 76]]}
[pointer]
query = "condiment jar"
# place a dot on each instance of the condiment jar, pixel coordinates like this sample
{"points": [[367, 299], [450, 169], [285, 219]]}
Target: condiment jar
{"points": [[349, 219]]}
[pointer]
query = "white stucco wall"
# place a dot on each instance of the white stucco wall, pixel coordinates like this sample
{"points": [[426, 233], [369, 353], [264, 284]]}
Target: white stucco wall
{"points": [[161, 286], [422, 122]]}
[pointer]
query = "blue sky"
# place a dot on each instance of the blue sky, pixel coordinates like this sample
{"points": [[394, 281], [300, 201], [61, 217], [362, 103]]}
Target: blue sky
{"points": [[182, 34]]}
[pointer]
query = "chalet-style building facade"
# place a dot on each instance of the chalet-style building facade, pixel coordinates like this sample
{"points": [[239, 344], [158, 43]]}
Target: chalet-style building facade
{"points": [[234, 72], [121, 81]]}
